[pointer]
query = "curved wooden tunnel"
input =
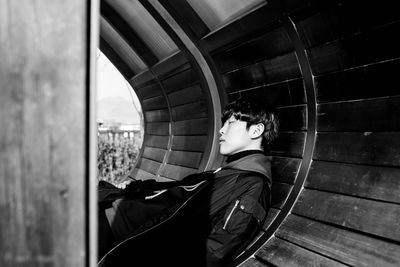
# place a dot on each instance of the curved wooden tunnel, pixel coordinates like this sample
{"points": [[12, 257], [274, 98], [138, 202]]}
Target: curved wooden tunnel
{"points": [[331, 70]]}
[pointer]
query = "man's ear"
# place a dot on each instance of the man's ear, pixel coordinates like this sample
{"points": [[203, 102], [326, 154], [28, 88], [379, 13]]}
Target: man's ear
{"points": [[256, 130]]}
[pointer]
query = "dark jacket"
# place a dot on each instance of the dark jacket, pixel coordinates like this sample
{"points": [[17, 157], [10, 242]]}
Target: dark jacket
{"points": [[188, 225]]}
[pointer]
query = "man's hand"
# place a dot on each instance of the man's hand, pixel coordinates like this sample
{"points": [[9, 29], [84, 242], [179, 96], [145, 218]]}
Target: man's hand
{"points": [[124, 184]]}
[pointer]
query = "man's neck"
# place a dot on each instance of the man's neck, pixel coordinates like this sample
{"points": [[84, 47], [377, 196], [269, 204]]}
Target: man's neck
{"points": [[242, 154]]}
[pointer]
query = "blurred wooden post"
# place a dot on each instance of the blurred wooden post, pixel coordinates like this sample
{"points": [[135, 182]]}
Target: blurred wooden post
{"points": [[45, 146]]}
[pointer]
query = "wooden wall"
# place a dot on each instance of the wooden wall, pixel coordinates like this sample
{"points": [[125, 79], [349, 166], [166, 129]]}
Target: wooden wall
{"points": [[176, 117], [330, 68], [44, 133]]}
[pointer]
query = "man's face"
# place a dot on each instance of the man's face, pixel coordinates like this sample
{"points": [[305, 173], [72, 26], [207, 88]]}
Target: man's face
{"points": [[234, 137]]}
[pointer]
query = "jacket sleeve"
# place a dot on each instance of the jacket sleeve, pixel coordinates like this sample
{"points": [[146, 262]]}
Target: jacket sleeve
{"points": [[235, 226]]}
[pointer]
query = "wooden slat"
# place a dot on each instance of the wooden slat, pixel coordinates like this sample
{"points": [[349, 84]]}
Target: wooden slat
{"points": [[149, 90], [337, 21], [181, 80], [171, 65], [369, 115], [377, 148], [278, 252], [270, 45], [129, 35], [153, 153], [190, 111], [148, 165], [368, 216], [191, 127], [156, 141], [284, 169], [365, 48], [157, 115], [256, 23], [176, 172], [252, 262], [370, 81], [139, 174], [157, 128], [186, 159], [292, 118], [279, 194], [154, 103], [142, 79], [189, 143], [186, 95], [364, 181], [182, 11], [278, 69], [289, 144], [345, 246], [285, 93]]}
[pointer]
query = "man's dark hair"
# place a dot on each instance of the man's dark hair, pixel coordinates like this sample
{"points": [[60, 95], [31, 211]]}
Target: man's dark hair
{"points": [[253, 112]]}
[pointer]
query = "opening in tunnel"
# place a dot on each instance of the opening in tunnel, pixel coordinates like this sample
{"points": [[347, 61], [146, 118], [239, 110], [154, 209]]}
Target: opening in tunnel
{"points": [[120, 125]]}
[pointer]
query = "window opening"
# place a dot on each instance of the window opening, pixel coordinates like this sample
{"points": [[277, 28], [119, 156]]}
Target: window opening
{"points": [[120, 126]]}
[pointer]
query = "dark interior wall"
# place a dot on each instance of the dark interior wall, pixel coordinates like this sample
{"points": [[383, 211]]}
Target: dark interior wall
{"points": [[330, 69]]}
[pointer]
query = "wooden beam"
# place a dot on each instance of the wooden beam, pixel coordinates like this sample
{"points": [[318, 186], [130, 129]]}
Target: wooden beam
{"points": [[131, 37], [44, 133], [121, 65]]}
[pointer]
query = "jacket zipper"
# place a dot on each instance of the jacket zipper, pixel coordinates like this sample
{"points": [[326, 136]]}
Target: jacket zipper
{"points": [[230, 214]]}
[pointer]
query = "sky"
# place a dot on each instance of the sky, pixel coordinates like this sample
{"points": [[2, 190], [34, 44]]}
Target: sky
{"points": [[111, 83]]}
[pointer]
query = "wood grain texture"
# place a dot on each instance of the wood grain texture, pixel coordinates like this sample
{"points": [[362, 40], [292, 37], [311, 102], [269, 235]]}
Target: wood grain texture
{"points": [[154, 103], [281, 94], [284, 169], [364, 215], [186, 95], [44, 125], [375, 148], [281, 68], [157, 128], [292, 118], [180, 80], [357, 180], [153, 153], [278, 252], [279, 194], [336, 20], [290, 144], [186, 159], [149, 166], [345, 246], [357, 50], [139, 174], [270, 45], [150, 89], [157, 115], [189, 143], [191, 127], [376, 80], [176, 172], [367, 115], [194, 110], [257, 22], [187, 15], [272, 213], [156, 141]]}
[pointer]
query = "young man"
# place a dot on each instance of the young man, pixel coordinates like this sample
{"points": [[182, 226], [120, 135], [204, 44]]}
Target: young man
{"points": [[206, 219]]}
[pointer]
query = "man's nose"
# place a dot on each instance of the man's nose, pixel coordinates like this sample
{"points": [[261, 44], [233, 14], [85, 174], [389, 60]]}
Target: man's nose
{"points": [[222, 130]]}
